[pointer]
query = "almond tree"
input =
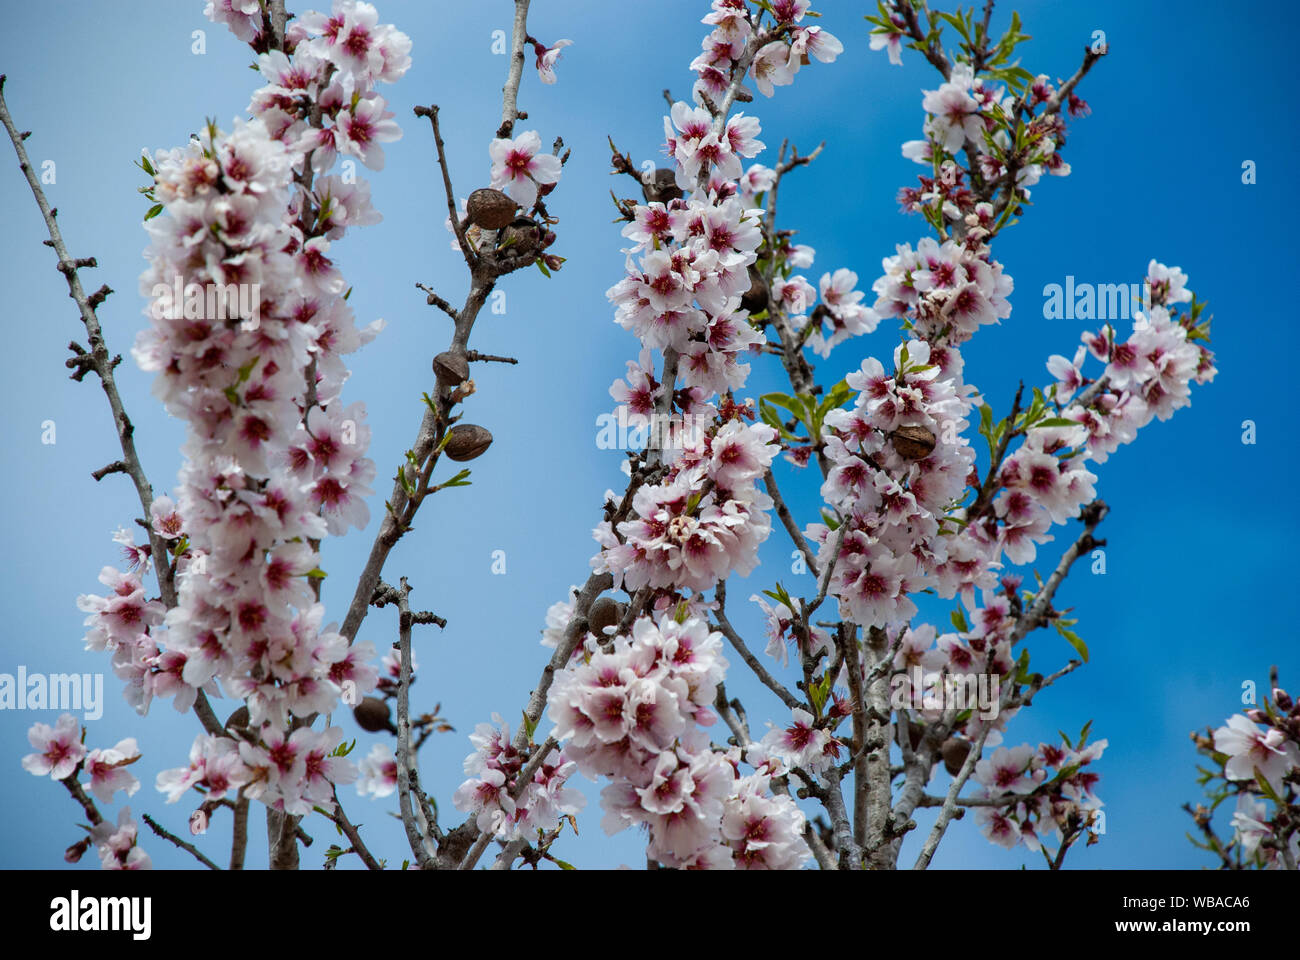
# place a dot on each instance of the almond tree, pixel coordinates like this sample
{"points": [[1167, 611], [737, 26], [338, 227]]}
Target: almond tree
{"points": [[871, 699]]}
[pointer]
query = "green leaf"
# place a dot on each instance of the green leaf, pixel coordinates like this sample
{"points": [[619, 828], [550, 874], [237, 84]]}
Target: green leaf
{"points": [[459, 480], [1022, 667], [153, 211], [562, 864], [1266, 788], [780, 595], [1057, 422], [530, 727], [316, 573], [542, 267], [1066, 773], [959, 621], [1072, 638], [819, 691]]}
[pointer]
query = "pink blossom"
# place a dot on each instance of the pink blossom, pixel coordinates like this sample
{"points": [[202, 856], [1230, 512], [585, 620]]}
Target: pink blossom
{"points": [[58, 749], [520, 168]]}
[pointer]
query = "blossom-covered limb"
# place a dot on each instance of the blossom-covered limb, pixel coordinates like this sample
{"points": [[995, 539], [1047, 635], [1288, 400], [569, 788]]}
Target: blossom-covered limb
{"points": [[100, 360]]}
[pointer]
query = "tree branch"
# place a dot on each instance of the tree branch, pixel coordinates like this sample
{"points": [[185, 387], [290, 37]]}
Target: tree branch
{"points": [[177, 841]]}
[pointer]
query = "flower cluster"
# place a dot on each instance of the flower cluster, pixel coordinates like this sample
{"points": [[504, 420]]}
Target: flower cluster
{"points": [[898, 462], [632, 712], [118, 845], [249, 325], [1006, 142], [704, 521], [293, 772], [1048, 793], [61, 753], [943, 291], [501, 805], [1147, 376]]}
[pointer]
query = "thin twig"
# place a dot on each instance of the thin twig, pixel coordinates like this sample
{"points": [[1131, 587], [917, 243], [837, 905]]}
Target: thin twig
{"points": [[433, 300], [787, 520], [760, 671], [471, 258], [1037, 614], [353, 835], [187, 847]]}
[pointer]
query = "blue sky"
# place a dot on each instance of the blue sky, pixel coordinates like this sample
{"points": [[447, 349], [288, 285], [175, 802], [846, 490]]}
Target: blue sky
{"points": [[1199, 537]]}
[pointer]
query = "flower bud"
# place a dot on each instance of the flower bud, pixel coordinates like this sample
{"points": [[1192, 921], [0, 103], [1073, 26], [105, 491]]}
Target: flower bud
{"points": [[465, 441], [490, 209], [914, 442], [74, 852], [372, 714], [451, 368], [1282, 699]]}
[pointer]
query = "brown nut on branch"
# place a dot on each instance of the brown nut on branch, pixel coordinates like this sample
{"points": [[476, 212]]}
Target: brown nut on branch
{"points": [[465, 441], [521, 238], [954, 753], [490, 209], [755, 298], [661, 186], [372, 715], [913, 443], [604, 612], [451, 368]]}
